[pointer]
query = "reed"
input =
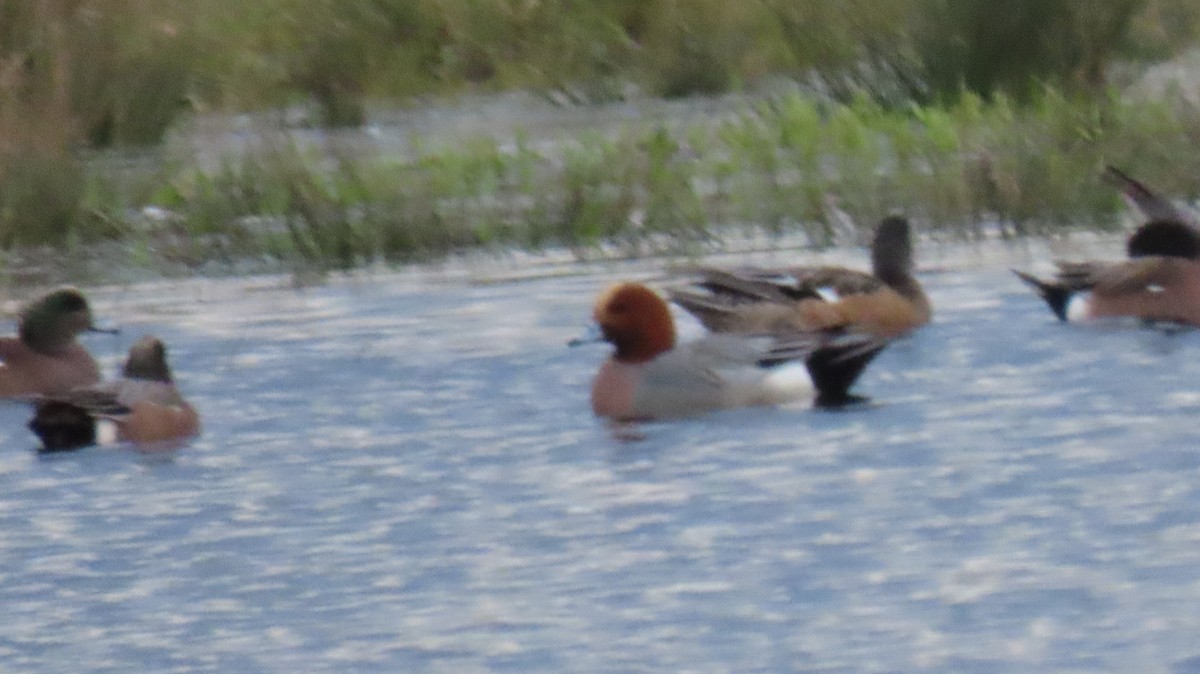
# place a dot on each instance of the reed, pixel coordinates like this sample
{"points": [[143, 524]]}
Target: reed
{"points": [[893, 110], [786, 167], [123, 71]]}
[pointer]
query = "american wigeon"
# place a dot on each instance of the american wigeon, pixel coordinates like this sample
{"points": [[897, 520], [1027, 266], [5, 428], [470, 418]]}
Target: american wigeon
{"points": [[652, 376], [45, 358], [888, 303], [144, 404], [1159, 282]]}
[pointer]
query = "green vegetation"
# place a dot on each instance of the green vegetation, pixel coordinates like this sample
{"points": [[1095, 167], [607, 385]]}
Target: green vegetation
{"points": [[118, 72], [955, 111], [772, 169]]}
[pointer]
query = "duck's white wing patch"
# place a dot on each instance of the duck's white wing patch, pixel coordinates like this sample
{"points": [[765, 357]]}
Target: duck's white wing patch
{"points": [[828, 294]]}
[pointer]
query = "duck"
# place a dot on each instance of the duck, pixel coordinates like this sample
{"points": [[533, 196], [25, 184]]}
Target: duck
{"points": [[144, 404], [1159, 282], [652, 375], [888, 302], [44, 357]]}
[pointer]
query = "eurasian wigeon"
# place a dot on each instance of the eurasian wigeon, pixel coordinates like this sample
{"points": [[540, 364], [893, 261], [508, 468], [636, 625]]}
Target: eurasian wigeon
{"points": [[887, 303], [652, 376], [1160, 282], [45, 358], [144, 405]]}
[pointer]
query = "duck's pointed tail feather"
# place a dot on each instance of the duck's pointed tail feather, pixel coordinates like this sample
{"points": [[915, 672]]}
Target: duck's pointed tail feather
{"points": [[1055, 294], [834, 369], [1152, 205]]}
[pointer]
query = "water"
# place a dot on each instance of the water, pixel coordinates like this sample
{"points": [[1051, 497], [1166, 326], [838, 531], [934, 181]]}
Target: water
{"points": [[399, 473]]}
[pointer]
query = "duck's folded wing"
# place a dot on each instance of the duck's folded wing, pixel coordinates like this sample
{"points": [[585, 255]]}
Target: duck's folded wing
{"points": [[102, 401], [834, 344], [726, 301], [1119, 277], [1078, 275], [770, 284], [751, 300], [1140, 275], [743, 285], [836, 280]]}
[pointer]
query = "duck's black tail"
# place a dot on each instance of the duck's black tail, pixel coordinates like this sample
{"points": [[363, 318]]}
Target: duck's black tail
{"points": [[62, 426], [1055, 294], [834, 369]]}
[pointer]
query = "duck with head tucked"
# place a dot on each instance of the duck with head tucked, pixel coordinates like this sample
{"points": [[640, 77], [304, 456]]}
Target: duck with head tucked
{"points": [[144, 405], [45, 358], [1158, 282], [650, 375]]}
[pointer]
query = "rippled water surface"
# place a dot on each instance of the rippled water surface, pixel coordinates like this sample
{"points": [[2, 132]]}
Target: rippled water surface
{"points": [[401, 474]]}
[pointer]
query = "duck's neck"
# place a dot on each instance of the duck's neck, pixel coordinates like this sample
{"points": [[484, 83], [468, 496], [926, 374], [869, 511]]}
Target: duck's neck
{"points": [[896, 276], [909, 288], [642, 348]]}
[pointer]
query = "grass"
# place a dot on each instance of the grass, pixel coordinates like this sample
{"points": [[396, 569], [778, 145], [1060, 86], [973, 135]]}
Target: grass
{"points": [[777, 167], [910, 106], [120, 72]]}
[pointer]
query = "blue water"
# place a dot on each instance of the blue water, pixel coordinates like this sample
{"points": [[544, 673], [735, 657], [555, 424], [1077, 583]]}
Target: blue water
{"points": [[401, 474]]}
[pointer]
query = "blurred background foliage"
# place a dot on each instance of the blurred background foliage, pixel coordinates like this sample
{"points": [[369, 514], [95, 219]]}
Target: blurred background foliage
{"points": [[82, 75], [119, 71]]}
